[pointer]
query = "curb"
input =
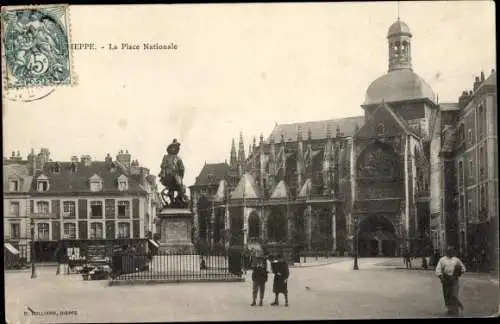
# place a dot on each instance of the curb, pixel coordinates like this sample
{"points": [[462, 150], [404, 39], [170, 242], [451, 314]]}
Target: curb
{"points": [[168, 281]]}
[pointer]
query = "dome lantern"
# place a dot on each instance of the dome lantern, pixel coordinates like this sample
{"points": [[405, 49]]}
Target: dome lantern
{"points": [[399, 41]]}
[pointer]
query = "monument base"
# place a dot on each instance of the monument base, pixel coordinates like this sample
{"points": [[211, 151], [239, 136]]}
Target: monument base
{"points": [[176, 231]]}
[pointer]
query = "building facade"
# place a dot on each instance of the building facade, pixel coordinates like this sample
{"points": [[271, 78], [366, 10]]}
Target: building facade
{"points": [[396, 178], [80, 199]]}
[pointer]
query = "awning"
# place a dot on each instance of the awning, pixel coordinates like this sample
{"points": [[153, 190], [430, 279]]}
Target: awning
{"points": [[154, 243], [11, 248]]}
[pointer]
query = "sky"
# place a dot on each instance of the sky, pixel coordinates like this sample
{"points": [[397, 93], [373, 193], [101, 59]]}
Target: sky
{"points": [[238, 68]]}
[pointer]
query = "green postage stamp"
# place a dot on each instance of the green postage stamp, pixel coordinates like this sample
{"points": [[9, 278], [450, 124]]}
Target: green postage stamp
{"points": [[36, 46]]}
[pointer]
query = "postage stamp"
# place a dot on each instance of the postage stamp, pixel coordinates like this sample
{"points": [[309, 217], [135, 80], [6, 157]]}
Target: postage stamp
{"points": [[36, 47]]}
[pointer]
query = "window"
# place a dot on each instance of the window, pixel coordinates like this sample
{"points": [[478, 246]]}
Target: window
{"points": [[461, 133], [96, 231], [123, 230], [481, 121], [57, 168], [69, 209], [470, 212], [96, 208], [42, 207], [14, 185], [471, 169], [462, 208], [43, 185], [123, 185], [481, 161], [69, 231], [380, 130], [14, 208], [15, 231], [469, 136], [96, 186], [43, 231], [123, 209], [482, 197], [460, 173]]}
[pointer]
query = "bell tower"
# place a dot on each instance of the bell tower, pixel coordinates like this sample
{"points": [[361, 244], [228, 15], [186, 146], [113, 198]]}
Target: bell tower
{"points": [[399, 41]]}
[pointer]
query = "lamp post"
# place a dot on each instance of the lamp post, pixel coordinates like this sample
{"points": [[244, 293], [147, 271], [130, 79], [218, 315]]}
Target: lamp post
{"points": [[355, 267], [32, 228]]}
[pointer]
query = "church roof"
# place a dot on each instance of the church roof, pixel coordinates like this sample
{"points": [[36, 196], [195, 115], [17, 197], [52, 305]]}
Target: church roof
{"points": [[221, 191], [397, 86], [246, 188], [398, 28], [212, 174], [318, 129], [281, 190], [306, 189]]}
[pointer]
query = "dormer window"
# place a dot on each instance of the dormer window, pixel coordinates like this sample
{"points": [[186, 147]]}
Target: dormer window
{"points": [[57, 168], [380, 130], [95, 183], [13, 185], [122, 183], [42, 183]]}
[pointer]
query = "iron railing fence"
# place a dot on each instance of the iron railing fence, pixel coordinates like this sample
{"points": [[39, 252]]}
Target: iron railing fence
{"points": [[176, 266]]}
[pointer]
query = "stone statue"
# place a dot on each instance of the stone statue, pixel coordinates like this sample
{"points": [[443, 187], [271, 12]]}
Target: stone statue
{"points": [[171, 175]]}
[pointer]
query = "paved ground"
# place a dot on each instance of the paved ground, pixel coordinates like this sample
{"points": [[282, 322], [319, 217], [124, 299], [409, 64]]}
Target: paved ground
{"points": [[332, 291]]}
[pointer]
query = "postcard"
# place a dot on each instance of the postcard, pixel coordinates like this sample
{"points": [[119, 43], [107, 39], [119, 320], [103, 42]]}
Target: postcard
{"points": [[249, 161]]}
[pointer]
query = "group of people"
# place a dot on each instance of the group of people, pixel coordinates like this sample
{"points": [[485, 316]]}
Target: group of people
{"points": [[279, 268]]}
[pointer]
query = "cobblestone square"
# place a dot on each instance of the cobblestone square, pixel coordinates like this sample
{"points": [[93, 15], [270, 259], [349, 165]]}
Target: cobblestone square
{"points": [[332, 291]]}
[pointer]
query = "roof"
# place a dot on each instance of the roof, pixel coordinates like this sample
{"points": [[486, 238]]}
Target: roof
{"points": [[449, 106], [17, 172], [306, 189], [246, 188], [399, 28], [221, 191], [212, 174], [396, 86], [281, 190], [318, 128], [67, 181]]}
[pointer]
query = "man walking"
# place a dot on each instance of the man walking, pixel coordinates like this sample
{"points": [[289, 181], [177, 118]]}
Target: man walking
{"points": [[60, 256], [449, 269], [259, 278], [280, 284]]}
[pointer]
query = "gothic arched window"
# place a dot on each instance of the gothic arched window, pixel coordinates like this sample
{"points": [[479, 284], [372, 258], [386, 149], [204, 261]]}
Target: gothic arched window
{"points": [[380, 130]]}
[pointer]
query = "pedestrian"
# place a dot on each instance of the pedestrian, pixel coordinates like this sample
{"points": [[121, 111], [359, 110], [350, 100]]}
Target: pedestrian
{"points": [[60, 256], [281, 274], [449, 269], [407, 259], [259, 279]]}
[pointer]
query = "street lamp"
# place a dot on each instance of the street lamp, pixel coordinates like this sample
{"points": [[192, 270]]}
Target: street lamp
{"points": [[355, 267], [33, 269]]}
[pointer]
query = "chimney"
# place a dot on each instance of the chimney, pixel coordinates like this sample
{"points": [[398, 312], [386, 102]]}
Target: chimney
{"points": [[124, 158], [482, 76], [85, 160], [108, 159], [476, 84]]}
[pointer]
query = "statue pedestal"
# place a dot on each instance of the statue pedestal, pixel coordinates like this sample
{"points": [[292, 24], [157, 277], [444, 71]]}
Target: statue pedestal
{"points": [[176, 230]]}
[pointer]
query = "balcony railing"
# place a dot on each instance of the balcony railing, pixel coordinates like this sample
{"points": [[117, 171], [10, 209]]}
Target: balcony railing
{"points": [[44, 215]]}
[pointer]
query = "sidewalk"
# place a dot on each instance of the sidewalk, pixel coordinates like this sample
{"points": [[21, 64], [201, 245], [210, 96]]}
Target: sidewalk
{"points": [[320, 261]]}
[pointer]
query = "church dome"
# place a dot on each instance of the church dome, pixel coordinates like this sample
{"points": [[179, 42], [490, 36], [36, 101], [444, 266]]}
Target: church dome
{"points": [[399, 28], [398, 85]]}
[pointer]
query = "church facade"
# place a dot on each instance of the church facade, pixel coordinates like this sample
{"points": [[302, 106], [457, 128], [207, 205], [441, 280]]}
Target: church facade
{"points": [[388, 180]]}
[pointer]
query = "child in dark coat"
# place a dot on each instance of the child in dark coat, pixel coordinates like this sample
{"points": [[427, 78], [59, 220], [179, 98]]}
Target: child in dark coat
{"points": [[280, 284], [259, 278]]}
